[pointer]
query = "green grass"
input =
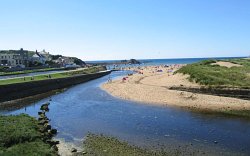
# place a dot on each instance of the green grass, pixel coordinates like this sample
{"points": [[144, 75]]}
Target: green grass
{"points": [[216, 76], [28, 71], [35, 148], [19, 135], [53, 76]]}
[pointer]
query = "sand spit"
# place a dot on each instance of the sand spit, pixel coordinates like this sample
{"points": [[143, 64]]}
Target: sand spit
{"points": [[150, 85]]}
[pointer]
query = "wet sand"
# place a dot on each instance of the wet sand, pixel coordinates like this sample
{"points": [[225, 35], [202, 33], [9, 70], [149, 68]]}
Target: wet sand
{"points": [[151, 85]]}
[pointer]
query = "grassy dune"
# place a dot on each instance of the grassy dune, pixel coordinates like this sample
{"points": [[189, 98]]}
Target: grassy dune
{"points": [[206, 73]]}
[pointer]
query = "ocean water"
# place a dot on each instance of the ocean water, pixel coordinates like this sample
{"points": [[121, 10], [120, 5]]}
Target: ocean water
{"points": [[167, 61], [156, 62]]}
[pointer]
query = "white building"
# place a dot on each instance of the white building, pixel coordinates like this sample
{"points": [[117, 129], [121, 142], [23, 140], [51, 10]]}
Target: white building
{"points": [[38, 58], [46, 55], [65, 61]]}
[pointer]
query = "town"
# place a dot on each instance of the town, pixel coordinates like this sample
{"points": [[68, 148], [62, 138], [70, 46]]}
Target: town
{"points": [[15, 60]]}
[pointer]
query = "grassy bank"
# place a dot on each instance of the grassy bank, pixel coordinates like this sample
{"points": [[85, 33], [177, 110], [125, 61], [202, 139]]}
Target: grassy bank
{"points": [[29, 71], [209, 74], [19, 135], [52, 76]]}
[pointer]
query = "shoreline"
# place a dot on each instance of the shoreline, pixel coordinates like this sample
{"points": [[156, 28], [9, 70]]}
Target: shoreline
{"points": [[151, 84]]}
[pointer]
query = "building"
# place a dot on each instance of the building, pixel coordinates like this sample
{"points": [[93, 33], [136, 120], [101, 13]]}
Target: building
{"points": [[11, 59], [38, 58], [45, 55], [64, 61], [14, 58]]}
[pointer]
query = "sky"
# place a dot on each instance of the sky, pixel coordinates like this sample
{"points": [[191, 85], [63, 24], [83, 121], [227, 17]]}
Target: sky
{"points": [[125, 29]]}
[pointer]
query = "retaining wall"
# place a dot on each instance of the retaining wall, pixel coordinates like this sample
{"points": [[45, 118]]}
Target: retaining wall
{"points": [[21, 90]]}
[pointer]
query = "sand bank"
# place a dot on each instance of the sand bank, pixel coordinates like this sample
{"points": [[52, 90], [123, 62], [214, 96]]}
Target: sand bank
{"points": [[151, 85], [226, 64]]}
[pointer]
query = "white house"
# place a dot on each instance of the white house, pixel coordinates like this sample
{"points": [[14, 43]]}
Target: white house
{"points": [[38, 58]]}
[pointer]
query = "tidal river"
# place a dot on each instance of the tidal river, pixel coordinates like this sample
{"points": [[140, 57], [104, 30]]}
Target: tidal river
{"points": [[87, 108]]}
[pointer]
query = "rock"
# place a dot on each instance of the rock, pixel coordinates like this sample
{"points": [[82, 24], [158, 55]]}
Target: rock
{"points": [[40, 118], [73, 150], [134, 61], [47, 126], [43, 118], [48, 134], [52, 142], [43, 122], [45, 107], [55, 147], [53, 131], [216, 142], [43, 130], [40, 113], [84, 152], [43, 115]]}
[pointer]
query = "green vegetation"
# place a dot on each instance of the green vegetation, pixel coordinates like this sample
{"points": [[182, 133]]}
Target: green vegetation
{"points": [[28, 71], [19, 135], [237, 113], [100, 145], [207, 73], [52, 76]]}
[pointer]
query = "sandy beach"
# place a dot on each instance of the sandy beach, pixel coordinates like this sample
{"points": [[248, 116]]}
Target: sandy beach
{"points": [[150, 85]]}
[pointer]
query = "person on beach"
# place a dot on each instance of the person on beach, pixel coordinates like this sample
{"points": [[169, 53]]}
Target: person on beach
{"points": [[109, 80], [123, 79]]}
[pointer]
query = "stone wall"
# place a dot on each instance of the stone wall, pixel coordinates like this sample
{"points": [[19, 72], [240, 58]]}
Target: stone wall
{"points": [[21, 90]]}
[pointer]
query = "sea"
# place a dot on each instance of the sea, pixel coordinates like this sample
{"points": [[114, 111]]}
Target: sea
{"points": [[156, 62]]}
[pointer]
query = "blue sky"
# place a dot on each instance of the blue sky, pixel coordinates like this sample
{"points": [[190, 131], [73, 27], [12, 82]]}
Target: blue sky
{"points": [[124, 29]]}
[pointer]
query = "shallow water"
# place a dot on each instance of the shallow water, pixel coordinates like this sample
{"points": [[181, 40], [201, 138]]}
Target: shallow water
{"points": [[86, 108]]}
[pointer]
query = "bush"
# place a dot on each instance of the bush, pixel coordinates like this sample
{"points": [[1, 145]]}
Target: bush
{"points": [[206, 74]]}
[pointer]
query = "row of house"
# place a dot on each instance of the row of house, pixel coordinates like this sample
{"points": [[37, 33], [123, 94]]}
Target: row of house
{"points": [[11, 59], [23, 58]]}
